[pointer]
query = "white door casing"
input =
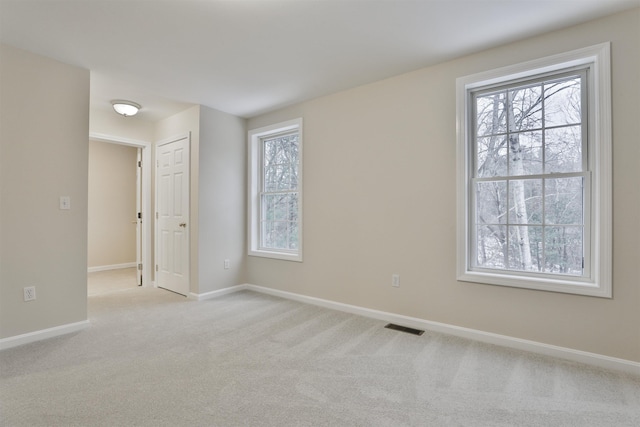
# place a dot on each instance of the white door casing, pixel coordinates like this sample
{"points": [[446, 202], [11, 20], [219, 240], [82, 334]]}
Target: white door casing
{"points": [[143, 224], [172, 214]]}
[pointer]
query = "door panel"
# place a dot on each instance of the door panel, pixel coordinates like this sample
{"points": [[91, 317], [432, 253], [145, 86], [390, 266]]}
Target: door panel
{"points": [[173, 215]]}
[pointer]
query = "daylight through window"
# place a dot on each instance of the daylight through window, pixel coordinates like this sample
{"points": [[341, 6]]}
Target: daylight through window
{"points": [[534, 185], [530, 176], [275, 210], [279, 196]]}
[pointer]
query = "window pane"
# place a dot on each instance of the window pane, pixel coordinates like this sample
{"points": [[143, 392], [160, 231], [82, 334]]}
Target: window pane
{"points": [[491, 200], [525, 248], [564, 250], [490, 114], [525, 108], [281, 163], [283, 177], [491, 246], [275, 207], [522, 132], [293, 235], [564, 202], [281, 235], [525, 153], [270, 178], [266, 208], [270, 151], [563, 149], [274, 235], [562, 102], [266, 234], [283, 151], [525, 201], [294, 177], [491, 159], [293, 207]]}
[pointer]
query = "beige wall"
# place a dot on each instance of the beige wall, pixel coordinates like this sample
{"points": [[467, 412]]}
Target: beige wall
{"points": [[44, 123], [112, 124], [379, 198], [112, 204]]}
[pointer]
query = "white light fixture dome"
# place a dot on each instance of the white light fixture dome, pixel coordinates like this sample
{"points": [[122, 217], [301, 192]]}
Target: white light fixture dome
{"points": [[125, 108]]}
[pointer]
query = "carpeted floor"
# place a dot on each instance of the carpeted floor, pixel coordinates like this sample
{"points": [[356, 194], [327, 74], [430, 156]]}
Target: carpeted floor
{"points": [[154, 358], [102, 282]]}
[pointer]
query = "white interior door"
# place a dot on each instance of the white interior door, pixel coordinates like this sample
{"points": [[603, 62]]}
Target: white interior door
{"points": [[172, 213]]}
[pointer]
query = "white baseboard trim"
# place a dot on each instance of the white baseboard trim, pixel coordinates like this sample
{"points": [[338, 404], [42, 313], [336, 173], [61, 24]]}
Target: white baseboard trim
{"points": [[592, 359], [217, 293], [111, 267], [42, 334]]}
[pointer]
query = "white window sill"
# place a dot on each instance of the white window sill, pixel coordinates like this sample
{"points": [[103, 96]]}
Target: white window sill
{"points": [[578, 286], [277, 255]]}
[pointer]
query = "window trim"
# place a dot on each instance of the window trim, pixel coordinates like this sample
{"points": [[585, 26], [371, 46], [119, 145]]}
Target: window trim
{"points": [[599, 283], [255, 136]]}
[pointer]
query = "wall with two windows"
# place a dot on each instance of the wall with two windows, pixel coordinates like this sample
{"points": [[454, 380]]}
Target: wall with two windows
{"points": [[380, 175]]}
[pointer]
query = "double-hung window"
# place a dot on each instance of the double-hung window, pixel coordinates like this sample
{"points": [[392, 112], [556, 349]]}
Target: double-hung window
{"points": [[534, 178], [275, 191]]}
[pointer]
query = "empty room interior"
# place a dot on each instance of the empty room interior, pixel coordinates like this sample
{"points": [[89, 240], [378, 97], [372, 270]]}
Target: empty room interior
{"points": [[281, 212]]}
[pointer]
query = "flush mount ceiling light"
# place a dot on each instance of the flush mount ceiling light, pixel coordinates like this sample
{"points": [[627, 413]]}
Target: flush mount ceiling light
{"points": [[125, 108]]}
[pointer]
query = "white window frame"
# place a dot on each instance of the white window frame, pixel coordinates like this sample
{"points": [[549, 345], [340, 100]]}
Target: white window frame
{"points": [[598, 279], [256, 136]]}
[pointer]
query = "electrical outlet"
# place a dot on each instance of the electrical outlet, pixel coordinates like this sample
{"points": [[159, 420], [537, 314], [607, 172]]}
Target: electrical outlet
{"points": [[65, 203], [29, 293], [226, 264], [395, 280]]}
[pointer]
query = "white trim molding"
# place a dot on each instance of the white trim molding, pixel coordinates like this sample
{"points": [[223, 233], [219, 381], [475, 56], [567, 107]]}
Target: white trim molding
{"points": [[565, 353], [217, 293], [110, 267], [42, 334], [255, 188], [145, 196]]}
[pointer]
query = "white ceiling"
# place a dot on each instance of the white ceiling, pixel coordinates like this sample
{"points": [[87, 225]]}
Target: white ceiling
{"points": [[247, 57]]}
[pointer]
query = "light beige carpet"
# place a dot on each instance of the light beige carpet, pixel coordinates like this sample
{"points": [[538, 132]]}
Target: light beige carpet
{"points": [[153, 358], [102, 282]]}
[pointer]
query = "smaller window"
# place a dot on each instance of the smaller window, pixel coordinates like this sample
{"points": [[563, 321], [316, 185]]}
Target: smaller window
{"points": [[275, 191]]}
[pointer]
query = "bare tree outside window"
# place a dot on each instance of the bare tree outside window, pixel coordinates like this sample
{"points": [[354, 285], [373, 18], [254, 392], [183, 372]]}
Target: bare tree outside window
{"points": [[529, 176], [279, 197]]}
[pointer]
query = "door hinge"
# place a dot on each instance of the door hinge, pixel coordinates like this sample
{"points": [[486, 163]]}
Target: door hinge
{"points": [[156, 267], [156, 215], [139, 266], [139, 163]]}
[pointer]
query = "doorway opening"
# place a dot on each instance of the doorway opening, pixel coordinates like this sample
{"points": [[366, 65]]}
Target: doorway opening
{"points": [[142, 215]]}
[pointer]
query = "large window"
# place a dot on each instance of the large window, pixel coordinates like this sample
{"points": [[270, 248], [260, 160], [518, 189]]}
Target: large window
{"points": [[534, 198], [275, 196]]}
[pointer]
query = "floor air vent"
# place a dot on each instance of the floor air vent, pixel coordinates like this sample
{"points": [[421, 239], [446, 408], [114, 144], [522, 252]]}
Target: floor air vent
{"points": [[404, 329]]}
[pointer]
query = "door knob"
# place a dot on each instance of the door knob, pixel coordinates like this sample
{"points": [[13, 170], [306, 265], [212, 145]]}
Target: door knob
{"points": [[183, 224]]}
